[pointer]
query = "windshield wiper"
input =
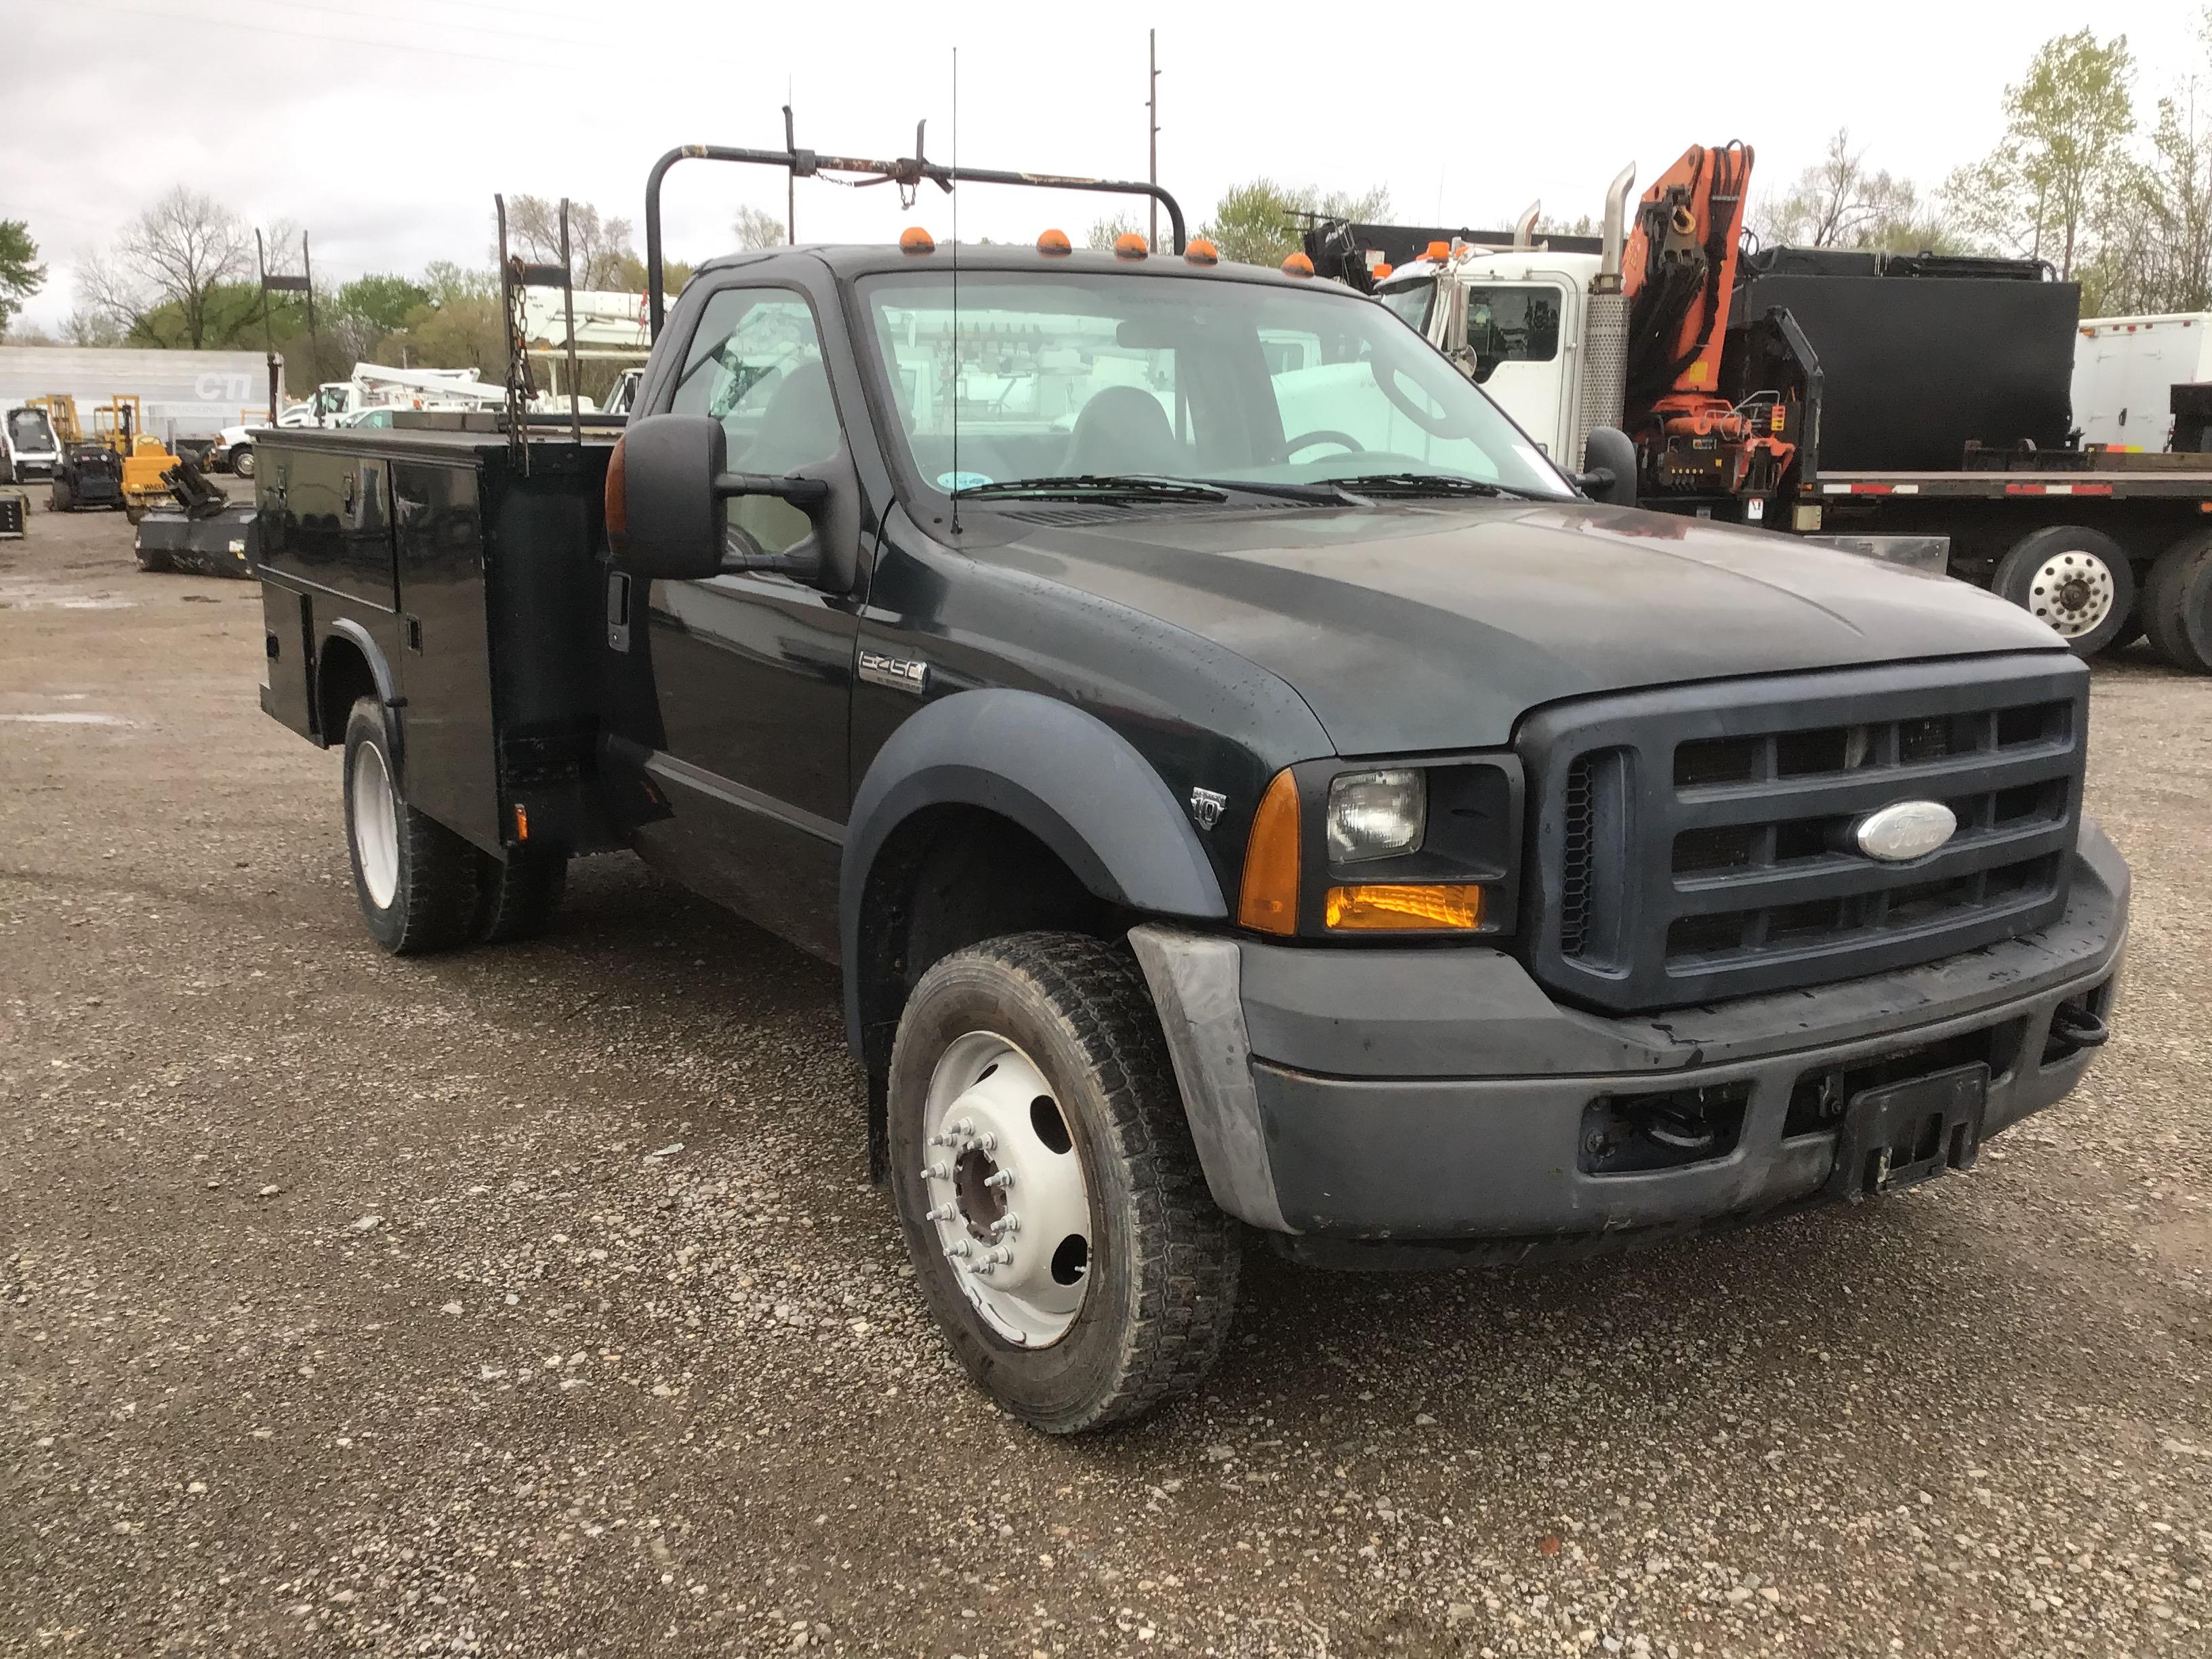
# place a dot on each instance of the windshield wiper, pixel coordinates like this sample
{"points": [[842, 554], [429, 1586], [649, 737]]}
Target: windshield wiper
{"points": [[1093, 487], [1326, 492], [1431, 483]]}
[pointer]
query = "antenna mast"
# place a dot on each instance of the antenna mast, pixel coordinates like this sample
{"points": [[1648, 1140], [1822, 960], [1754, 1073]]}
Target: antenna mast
{"points": [[1153, 121]]}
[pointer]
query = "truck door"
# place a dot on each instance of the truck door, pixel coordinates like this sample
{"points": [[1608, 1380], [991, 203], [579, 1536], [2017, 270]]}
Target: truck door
{"points": [[1514, 334], [753, 672]]}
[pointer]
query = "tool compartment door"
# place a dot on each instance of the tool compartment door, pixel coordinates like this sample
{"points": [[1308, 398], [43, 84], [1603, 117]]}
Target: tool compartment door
{"points": [[449, 746]]}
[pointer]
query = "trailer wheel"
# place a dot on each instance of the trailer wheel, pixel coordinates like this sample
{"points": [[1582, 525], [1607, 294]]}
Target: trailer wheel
{"points": [[2177, 605], [2075, 579], [516, 895], [416, 879], [1043, 1167]]}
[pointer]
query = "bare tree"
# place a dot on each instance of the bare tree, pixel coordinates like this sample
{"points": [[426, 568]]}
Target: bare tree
{"points": [[1838, 201], [757, 227], [161, 283], [1104, 232], [598, 248]]}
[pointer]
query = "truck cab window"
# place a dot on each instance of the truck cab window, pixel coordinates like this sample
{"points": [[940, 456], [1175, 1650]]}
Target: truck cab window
{"points": [[1511, 325], [755, 365]]}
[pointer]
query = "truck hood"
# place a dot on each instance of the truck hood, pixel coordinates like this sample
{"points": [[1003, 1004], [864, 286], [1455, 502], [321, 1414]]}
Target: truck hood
{"points": [[1412, 627]]}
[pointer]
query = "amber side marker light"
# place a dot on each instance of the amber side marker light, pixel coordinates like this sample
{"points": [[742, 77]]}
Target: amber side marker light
{"points": [[914, 239], [1382, 273], [1437, 251], [1269, 898], [1201, 252], [617, 497], [1298, 265], [1054, 245], [1130, 245], [1386, 907]]}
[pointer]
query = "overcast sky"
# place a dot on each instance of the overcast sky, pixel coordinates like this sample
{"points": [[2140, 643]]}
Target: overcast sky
{"points": [[383, 126]]}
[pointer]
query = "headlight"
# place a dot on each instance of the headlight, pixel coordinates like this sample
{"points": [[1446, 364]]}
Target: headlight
{"points": [[1376, 814]]}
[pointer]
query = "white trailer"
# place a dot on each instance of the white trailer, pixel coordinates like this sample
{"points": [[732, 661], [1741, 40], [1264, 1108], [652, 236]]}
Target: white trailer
{"points": [[182, 394], [2125, 369]]}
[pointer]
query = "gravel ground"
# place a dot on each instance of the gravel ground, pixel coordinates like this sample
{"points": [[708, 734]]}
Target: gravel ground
{"points": [[534, 1301]]}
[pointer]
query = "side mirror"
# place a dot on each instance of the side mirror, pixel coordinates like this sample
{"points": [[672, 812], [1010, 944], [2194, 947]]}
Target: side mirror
{"points": [[1610, 457], [666, 486]]}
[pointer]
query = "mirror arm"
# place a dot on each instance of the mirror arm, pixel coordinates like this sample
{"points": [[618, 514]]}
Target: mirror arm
{"points": [[804, 494], [1595, 481]]}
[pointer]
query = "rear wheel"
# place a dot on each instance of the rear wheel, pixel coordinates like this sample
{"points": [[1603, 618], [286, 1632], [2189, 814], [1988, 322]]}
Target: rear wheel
{"points": [[416, 879], [241, 460], [1052, 1201], [2076, 580], [2177, 603]]}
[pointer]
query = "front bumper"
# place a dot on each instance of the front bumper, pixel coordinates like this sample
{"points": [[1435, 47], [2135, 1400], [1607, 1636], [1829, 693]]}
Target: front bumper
{"points": [[1441, 1094]]}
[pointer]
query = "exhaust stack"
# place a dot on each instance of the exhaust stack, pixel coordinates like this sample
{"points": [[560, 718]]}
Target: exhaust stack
{"points": [[1524, 228], [1605, 334]]}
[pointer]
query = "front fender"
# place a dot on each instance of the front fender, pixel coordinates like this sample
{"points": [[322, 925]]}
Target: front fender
{"points": [[1064, 776]]}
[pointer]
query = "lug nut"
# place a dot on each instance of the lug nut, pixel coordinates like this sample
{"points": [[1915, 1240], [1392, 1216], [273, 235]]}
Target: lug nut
{"points": [[1004, 1178], [958, 1249], [998, 1254], [986, 1142], [1006, 1226], [936, 1172], [942, 1212]]}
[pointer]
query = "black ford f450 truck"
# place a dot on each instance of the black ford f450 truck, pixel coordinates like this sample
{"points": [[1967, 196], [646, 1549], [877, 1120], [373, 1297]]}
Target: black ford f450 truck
{"points": [[1245, 784]]}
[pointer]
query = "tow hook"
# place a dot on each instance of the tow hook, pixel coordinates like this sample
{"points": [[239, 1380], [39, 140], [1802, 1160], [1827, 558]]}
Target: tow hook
{"points": [[2074, 1026]]}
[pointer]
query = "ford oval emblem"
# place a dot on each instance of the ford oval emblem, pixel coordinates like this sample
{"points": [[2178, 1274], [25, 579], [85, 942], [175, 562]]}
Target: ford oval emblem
{"points": [[1909, 830]]}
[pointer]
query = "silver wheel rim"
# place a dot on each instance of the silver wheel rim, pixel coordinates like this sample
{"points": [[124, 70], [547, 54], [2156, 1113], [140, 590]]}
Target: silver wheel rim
{"points": [[375, 826], [2072, 592], [1006, 1195]]}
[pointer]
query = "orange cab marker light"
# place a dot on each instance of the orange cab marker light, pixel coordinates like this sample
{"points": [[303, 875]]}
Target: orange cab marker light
{"points": [[1438, 250], [1388, 906], [617, 496], [1130, 245], [1382, 273], [914, 239], [1201, 252], [1054, 245], [1269, 899], [521, 821], [1298, 265]]}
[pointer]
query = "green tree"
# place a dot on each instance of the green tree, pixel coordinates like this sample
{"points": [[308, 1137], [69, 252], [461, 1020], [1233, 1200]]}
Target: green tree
{"points": [[2066, 131], [1104, 232], [1263, 222], [20, 274]]}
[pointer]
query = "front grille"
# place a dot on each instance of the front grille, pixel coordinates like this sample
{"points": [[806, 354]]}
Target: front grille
{"points": [[1696, 842]]}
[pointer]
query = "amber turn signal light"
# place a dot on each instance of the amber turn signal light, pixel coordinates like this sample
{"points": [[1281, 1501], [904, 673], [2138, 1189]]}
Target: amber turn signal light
{"points": [[1269, 898], [617, 498], [1383, 906]]}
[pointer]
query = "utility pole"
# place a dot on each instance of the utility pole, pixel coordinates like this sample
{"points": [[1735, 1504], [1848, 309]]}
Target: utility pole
{"points": [[1152, 122]]}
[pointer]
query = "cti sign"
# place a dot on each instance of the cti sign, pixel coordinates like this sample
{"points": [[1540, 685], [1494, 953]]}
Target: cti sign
{"points": [[214, 388]]}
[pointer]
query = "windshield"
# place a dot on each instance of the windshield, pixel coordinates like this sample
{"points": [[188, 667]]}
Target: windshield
{"points": [[27, 430], [1072, 375], [1410, 300]]}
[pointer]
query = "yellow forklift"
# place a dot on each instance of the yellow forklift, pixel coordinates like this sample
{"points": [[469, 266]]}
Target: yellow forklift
{"points": [[120, 424]]}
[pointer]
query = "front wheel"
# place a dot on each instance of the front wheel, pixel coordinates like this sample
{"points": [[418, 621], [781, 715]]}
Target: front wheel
{"points": [[2076, 580], [416, 879], [1045, 1178]]}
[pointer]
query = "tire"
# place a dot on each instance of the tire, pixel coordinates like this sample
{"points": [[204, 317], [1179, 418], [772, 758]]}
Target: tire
{"points": [[2177, 605], [241, 460], [61, 497], [516, 895], [1153, 1281], [2076, 580], [416, 879]]}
